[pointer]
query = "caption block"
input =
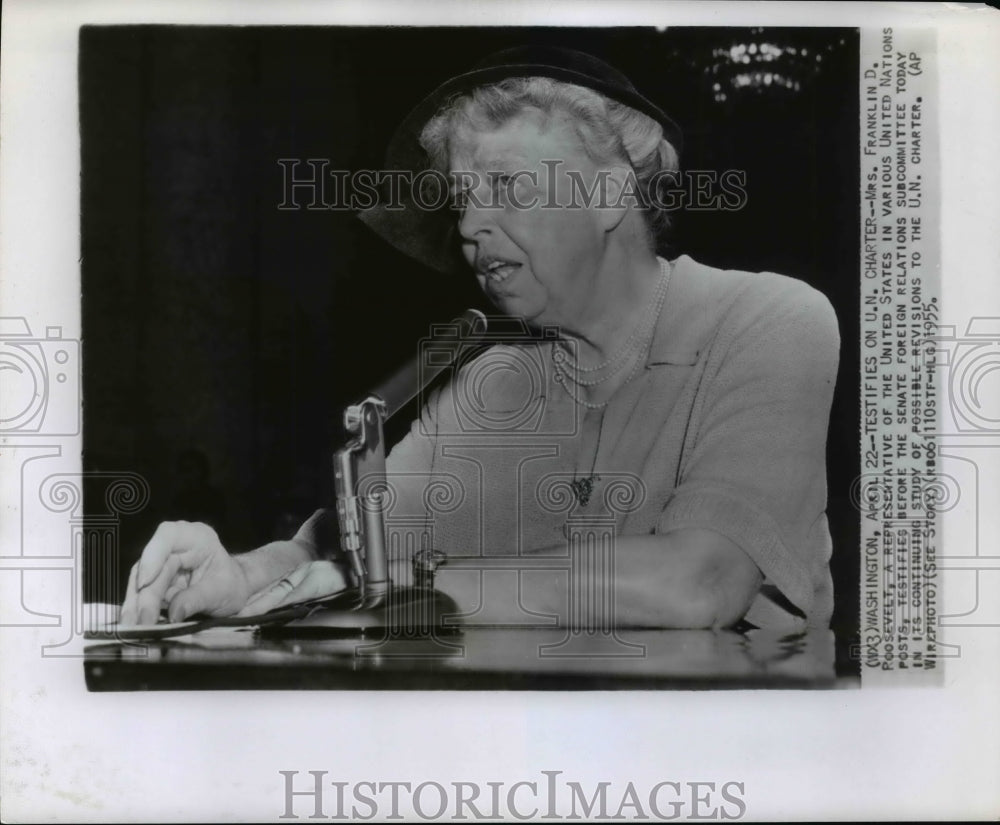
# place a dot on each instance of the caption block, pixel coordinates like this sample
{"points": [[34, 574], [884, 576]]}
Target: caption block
{"points": [[900, 309]]}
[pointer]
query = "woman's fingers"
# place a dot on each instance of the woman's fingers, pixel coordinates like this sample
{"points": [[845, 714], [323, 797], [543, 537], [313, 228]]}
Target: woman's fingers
{"points": [[155, 553], [172, 537], [308, 581], [188, 602], [181, 581], [151, 598], [174, 557], [323, 579], [273, 594], [130, 610]]}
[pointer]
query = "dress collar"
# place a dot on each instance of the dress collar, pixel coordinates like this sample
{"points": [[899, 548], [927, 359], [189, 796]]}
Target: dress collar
{"points": [[685, 322]]}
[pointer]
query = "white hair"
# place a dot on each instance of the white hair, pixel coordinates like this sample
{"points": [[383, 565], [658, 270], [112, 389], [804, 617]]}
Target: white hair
{"points": [[609, 131]]}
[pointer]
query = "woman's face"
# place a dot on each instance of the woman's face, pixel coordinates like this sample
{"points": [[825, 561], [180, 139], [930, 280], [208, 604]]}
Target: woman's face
{"points": [[526, 230]]}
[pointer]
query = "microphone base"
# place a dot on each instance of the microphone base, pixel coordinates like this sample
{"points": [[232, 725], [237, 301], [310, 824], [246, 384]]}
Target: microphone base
{"points": [[400, 612]]}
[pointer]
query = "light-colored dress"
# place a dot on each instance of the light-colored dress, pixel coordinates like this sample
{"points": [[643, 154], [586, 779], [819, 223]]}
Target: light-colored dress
{"points": [[724, 427]]}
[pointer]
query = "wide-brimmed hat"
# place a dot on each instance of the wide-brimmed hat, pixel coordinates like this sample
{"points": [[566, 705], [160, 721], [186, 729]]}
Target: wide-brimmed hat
{"points": [[430, 235]]}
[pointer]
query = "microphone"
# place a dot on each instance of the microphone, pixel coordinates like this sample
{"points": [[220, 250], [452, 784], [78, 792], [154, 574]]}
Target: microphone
{"points": [[443, 348], [360, 515]]}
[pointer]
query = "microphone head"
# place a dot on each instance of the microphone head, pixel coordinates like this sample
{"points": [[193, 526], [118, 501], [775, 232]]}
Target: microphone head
{"points": [[473, 323]]}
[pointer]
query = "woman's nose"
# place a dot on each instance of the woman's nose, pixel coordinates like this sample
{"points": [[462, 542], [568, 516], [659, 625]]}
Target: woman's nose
{"points": [[476, 218]]}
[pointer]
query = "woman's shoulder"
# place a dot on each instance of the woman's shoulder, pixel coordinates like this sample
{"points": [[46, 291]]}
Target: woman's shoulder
{"points": [[746, 286], [744, 300]]}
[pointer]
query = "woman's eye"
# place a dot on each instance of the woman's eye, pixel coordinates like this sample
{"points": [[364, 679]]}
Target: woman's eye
{"points": [[502, 187]]}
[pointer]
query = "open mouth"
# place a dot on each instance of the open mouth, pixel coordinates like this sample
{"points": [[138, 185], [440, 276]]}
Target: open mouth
{"points": [[499, 271]]}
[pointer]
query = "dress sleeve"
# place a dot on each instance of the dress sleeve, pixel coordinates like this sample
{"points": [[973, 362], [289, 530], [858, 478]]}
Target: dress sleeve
{"points": [[756, 470]]}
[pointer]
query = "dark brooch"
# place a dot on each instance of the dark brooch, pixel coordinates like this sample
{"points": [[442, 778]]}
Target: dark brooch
{"points": [[583, 488]]}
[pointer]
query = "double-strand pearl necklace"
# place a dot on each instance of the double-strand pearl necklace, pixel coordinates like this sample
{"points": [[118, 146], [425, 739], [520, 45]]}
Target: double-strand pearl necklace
{"points": [[566, 366]]}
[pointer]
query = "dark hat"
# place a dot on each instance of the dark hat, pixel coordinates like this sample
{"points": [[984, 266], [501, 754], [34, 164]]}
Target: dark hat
{"points": [[429, 236]]}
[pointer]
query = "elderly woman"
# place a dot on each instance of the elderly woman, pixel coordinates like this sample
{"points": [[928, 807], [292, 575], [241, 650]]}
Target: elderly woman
{"points": [[704, 392]]}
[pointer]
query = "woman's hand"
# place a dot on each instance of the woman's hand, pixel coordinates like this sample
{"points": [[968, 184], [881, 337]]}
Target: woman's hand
{"points": [[184, 568], [311, 580]]}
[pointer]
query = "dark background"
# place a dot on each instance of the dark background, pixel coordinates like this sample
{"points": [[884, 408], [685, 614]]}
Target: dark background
{"points": [[222, 336]]}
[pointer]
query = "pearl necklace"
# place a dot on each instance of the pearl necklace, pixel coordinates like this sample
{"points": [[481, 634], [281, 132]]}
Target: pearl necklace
{"points": [[637, 336], [563, 364]]}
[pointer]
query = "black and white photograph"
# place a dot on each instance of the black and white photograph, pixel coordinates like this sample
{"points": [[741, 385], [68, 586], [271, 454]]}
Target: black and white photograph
{"points": [[629, 434], [496, 390]]}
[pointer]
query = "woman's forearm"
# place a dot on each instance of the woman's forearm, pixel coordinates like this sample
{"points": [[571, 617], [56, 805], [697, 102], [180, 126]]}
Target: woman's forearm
{"points": [[686, 579]]}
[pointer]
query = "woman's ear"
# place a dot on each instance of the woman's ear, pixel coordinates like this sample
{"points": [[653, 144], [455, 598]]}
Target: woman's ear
{"points": [[619, 191]]}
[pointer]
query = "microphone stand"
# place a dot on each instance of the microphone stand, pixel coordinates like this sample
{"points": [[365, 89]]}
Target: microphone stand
{"points": [[375, 602]]}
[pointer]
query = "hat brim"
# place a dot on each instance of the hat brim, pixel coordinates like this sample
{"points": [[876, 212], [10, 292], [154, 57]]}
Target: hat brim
{"points": [[429, 236]]}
